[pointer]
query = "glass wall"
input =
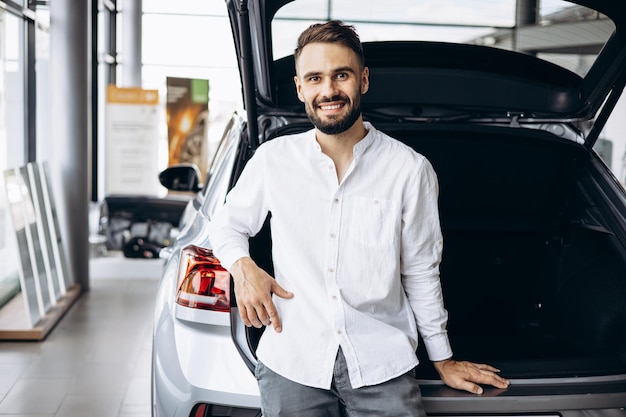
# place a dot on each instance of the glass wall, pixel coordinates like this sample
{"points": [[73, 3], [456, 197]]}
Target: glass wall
{"points": [[42, 83], [191, 39], [12, 136], [24, 113]]}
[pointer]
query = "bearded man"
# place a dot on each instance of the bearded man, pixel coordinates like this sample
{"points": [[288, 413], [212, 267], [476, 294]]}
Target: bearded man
{"points": [[356, 243]]}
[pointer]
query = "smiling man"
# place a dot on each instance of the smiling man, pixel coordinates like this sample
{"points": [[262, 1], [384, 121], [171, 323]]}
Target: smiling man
{"points": [[356, 248]]}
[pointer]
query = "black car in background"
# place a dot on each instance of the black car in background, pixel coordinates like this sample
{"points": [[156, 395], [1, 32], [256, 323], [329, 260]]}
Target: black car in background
{"points": [[534, 222]]}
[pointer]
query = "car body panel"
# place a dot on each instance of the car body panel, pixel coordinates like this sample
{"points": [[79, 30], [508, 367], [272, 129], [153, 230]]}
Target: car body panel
{"points": [[187, 342]]}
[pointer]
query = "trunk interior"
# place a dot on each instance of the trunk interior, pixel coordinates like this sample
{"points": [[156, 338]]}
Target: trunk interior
{"points": [[533, 277]]}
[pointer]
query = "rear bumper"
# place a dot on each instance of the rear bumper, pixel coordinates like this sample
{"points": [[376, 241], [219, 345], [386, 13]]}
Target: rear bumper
{"points": [[195, 364], [590, 396]]}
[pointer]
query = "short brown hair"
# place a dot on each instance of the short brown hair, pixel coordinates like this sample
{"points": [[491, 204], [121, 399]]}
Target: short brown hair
{"points": [[331, 32]]}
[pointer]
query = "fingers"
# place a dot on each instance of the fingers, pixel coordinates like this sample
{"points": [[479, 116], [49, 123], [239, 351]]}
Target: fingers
{"points": [[486, 374], [254, 288], [497, 381], [280, 291], [469, 387], [485, 367], [259, 313], [274, 319], [257, 309], [466, 376]]}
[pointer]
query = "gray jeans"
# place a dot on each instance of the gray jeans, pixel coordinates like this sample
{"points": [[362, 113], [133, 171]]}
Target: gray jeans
{"points": [[281, 397]]}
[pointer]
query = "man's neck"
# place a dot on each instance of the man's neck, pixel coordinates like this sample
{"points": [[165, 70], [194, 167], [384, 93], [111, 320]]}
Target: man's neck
{"points": [[340, 147]]}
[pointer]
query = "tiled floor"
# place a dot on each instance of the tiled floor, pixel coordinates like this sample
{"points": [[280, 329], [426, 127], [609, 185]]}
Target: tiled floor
{"points": [[94, 363]]}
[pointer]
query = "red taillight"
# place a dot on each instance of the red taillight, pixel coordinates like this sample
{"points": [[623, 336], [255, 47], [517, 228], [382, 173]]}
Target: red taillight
{"points": [[202, 281], [199, 411]]}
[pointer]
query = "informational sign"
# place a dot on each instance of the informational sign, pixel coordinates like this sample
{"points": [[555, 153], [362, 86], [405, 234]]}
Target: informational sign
{"points": [[187, 121], [132, 141]]}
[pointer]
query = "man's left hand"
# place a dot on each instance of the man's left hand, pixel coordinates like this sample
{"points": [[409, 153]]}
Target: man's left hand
{"points": [[466, 376]]}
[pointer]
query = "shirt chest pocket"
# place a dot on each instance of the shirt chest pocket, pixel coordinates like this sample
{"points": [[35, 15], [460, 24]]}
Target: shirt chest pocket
{"points": [[371, 221]]}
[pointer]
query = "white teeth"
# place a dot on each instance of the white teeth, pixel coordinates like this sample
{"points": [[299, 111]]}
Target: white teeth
{"points": [[333, 107]]}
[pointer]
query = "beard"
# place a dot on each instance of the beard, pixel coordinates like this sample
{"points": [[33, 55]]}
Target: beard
{"points": [[335, 124]]}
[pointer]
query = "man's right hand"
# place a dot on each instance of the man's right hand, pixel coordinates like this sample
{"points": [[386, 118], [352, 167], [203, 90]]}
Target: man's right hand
{"points": [[254, 288]]}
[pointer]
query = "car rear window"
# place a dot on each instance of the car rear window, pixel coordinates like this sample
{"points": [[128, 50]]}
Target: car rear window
{"points": [[560, 32]]}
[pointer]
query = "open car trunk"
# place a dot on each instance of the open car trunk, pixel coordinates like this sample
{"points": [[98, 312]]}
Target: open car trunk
{"points": [[534, 278]]}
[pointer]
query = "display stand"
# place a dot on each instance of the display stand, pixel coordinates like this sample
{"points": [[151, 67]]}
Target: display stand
{"points": [[46, 288], [15, 326]]}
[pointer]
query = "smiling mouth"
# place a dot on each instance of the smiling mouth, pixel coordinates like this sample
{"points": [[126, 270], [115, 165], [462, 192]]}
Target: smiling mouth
{"points": [[331, 106]]}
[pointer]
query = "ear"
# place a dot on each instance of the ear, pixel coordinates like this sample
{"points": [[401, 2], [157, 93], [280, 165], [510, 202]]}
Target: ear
{"points": [[365, 80], [296, 80]]}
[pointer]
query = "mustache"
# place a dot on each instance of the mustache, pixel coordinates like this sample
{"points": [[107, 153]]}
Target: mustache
{"points": [[338, 97]]}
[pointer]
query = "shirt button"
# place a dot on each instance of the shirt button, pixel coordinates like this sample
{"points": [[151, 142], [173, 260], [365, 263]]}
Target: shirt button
{"points": [[339, 331], [331, 269], [334, 298], [332, 235], [336, 200]]}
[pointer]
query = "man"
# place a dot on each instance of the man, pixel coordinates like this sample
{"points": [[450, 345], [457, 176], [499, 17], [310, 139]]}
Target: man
{"points": [[356, 246]]}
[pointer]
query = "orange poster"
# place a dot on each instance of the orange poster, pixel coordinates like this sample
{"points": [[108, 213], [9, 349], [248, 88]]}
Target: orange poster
{"points": [[187, 121]]}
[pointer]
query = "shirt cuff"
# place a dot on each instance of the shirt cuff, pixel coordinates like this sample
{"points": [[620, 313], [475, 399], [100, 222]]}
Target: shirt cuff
{"points": [[228, 259], [438, 347]]}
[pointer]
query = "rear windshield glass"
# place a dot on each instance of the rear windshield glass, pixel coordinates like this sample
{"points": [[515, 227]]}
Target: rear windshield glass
{"points": [[558, 31]]}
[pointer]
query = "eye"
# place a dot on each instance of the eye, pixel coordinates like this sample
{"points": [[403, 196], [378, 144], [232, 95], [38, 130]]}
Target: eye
{"points": [[314, 79], [342, 75]]}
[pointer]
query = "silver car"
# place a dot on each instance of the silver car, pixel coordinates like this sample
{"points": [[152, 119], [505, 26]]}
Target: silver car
{"points": [[506, 99]]}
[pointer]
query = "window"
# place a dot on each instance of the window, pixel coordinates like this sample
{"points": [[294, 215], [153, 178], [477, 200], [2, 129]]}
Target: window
{"points": [[12, 87], [494, 24], [192, 39], [42, 82], [12, 137]]}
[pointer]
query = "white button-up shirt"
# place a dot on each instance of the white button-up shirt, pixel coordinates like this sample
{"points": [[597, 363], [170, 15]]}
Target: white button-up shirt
{"points": [[361, 256]]}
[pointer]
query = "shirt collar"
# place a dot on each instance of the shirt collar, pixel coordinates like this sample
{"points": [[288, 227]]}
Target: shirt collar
{"points": [[361, 145], [365, 143]]}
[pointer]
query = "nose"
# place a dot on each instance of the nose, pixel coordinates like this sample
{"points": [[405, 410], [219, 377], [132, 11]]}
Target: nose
{"points": [[329, 88]]}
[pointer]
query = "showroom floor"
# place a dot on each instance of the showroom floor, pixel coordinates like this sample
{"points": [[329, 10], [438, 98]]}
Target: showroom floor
{"points": [[96, 361]]}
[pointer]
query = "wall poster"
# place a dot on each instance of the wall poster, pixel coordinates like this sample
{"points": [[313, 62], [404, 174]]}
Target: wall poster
{"points": [[187, 122], [132, 142]]}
